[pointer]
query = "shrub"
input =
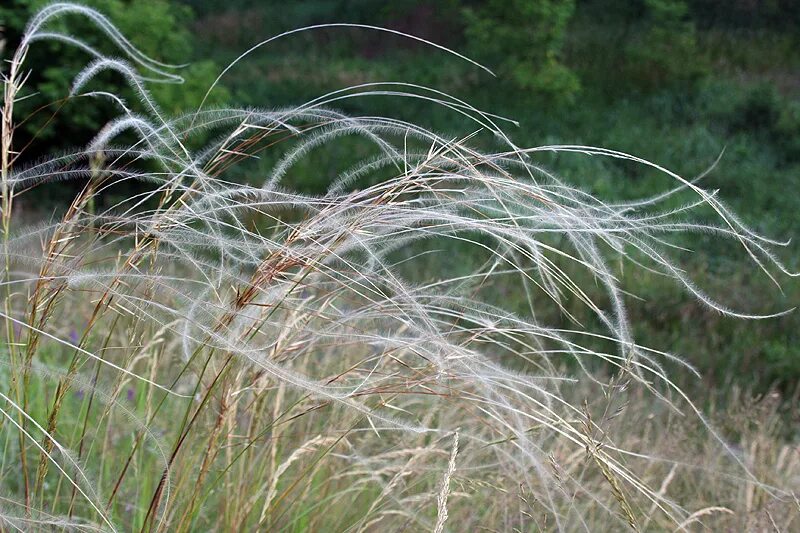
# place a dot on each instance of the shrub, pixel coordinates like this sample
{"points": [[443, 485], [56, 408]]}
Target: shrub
{"points": [[525, 39], [665, 51]]}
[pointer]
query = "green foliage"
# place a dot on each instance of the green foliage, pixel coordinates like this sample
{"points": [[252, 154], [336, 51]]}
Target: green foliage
{"points": [[770, 14], [788, 129], [664, 49], [759, 111], [524, 39], [159, 28]]}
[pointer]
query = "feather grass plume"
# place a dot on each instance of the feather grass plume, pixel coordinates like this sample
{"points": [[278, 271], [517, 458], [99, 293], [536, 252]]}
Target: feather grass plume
{"points": [[209, 353]]}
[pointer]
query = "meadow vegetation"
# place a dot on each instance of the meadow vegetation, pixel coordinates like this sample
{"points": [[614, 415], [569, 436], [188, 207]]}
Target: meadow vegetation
{"points": [[335, 301]]}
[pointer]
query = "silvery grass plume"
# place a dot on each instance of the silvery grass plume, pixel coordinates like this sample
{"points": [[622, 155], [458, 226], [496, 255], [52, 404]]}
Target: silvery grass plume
{"points": [[207, 353]]}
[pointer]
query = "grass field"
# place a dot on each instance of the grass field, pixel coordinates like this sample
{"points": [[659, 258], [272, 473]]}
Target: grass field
{"points": [[388, 309]]}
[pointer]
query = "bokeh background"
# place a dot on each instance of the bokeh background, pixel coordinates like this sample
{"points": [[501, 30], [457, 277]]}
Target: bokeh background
{"points": [[683, 83]]}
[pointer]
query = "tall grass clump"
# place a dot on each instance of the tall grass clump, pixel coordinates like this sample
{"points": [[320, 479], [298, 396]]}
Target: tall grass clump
{"points": [[190, 351]]}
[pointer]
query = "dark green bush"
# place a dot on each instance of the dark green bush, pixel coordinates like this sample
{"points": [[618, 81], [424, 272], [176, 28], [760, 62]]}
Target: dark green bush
{"points": [[524, 40], [157, 27]]}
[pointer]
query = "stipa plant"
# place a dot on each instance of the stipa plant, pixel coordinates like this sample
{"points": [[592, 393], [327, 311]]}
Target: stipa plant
{"points": [[211, 354]]}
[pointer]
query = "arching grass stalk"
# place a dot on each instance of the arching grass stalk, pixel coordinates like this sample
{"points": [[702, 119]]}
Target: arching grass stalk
{"points": [[12, 84]]}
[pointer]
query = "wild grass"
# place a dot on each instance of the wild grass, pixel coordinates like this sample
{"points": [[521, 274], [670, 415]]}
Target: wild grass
{"points": [[208, 354]]}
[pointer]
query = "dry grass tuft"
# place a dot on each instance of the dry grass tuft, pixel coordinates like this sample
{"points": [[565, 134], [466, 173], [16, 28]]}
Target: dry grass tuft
{"points": [[207, 354]]}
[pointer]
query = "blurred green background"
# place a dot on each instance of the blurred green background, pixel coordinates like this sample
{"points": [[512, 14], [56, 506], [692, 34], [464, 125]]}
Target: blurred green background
{"points": [[678, 82]]}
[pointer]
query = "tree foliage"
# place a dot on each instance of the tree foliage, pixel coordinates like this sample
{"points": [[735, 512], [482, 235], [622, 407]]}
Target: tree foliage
{"points": [[664, 49], [525, 40], [159, 28]]}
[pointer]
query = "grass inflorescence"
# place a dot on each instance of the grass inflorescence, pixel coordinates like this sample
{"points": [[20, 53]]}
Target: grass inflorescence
{"points": [[206, 353]]}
